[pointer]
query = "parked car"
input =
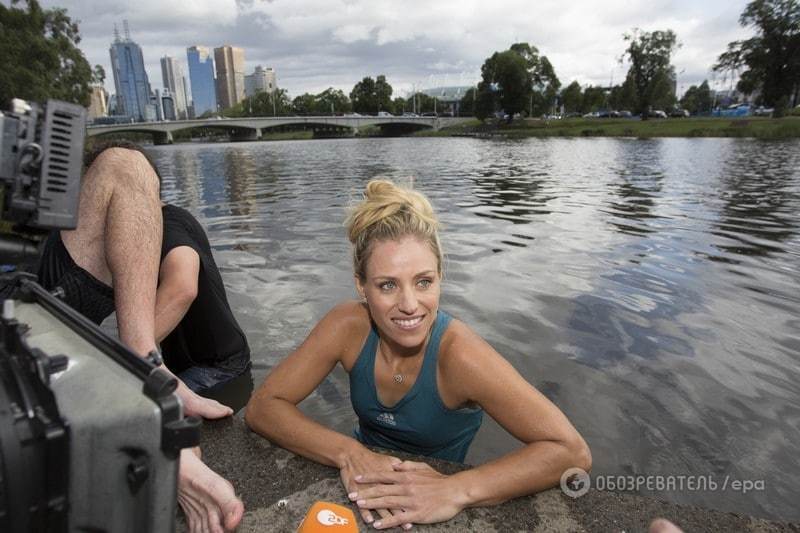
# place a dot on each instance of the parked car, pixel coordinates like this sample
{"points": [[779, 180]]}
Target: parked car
{"points": [[384, 114], [410, 115], [625, 114], [762, 111], [679, 113], [657, 113]]}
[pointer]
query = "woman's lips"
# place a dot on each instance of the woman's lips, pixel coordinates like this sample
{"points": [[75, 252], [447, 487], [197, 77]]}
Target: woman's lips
{"points": [[408, 323]]}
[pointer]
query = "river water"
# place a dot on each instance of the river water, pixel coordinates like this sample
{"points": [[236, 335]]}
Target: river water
{"points": [[650, 288]]}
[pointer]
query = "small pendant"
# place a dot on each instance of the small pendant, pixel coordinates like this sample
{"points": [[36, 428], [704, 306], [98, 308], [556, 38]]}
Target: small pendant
{"points": [[398, 378]]}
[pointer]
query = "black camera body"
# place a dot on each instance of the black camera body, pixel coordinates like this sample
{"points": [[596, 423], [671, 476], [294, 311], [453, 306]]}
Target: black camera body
{"points": [[90, 433], [41, 150]]}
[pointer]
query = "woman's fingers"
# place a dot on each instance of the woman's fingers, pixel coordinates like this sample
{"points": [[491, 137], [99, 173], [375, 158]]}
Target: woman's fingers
{"points": [[396, 503], [379, 477], [409, 466], [366, 516], [402, 519]]}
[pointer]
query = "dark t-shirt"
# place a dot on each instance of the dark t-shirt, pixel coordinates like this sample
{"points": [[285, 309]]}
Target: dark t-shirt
{"points": [[208, 334]]}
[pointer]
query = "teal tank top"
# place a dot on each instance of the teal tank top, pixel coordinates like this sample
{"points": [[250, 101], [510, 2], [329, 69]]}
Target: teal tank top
{"points": [[419, 423]]}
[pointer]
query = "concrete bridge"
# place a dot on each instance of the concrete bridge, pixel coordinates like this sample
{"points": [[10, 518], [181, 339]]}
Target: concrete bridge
{"points": [[251, 128]]}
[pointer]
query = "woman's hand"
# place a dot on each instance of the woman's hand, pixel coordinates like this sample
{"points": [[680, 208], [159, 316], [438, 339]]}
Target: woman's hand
{"points": [[423, 495], [367, 461]]}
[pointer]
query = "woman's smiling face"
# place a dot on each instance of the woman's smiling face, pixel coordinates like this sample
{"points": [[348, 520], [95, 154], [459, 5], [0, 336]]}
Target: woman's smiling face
{"points": [[402, 289]]}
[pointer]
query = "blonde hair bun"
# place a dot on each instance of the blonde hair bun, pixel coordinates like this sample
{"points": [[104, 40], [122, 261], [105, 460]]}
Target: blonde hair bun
{"points": [[388, 212]]}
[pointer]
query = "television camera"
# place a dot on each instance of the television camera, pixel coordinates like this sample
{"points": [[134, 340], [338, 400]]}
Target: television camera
{"points": [[90, 433]]}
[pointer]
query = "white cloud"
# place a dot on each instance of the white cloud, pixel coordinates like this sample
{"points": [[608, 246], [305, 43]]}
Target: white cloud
{"points": [[351, 33], [318, 43]]}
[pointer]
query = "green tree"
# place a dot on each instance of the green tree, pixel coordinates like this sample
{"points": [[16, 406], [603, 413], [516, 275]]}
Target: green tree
{"points": [[506, 83], [623, 97], [423, 103], [305, 104], [770, 61], [571, 97], [400, 105], [544, 82], [98, 75], [649, 54], [697, 100], [261, 104], [371, 96], [485, 104], [467, 105], [516, 81], [39, 55], [332, 101], [594, 99], [363, 96], [383, 94]]}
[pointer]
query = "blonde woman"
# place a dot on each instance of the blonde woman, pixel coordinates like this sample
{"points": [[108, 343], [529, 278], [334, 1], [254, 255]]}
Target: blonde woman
{"points": [[420, 382]]}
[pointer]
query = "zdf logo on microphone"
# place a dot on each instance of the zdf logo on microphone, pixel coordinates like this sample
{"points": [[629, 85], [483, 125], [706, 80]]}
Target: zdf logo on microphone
{"points": [[575, 482]]}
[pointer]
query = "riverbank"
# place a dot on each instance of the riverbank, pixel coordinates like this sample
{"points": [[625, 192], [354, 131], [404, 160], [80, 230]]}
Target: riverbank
{"points": [[754, 127], [278, 487]]}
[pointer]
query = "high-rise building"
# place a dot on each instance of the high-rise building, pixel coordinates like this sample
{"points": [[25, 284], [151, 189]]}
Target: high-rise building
{"points": [[201, 75], [174, 80], [155, 101], [230, 75], [97, 103], [262, 80], [168, 105], [130, 78]]}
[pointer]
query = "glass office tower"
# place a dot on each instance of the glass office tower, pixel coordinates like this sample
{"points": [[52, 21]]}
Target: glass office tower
{"points": [[130, 78], [201, 76]]}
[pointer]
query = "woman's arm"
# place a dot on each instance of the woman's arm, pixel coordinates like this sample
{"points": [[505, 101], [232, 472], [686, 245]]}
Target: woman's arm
{"points": [[471, 371], [272, 410]]}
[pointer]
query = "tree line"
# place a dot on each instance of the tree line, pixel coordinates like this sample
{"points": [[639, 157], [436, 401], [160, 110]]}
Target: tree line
{"points": [[41, 59], [520, 80], [369, 96]]}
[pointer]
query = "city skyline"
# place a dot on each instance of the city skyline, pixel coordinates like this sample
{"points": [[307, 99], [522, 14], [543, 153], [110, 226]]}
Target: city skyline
{"points": [[313, 45]]}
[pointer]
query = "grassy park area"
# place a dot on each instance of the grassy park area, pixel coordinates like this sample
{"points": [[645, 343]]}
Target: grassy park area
{"points": [[757, 127]]}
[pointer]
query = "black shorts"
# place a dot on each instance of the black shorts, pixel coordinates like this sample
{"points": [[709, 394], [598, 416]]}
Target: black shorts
{"points": [[83, 292]]}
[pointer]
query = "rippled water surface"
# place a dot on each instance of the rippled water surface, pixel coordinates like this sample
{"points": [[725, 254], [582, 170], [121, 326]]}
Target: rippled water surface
{"points": [[650, 288]]}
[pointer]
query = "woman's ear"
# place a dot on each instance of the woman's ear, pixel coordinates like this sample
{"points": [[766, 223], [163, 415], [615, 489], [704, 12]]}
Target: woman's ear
{"points": [[360, 288]]}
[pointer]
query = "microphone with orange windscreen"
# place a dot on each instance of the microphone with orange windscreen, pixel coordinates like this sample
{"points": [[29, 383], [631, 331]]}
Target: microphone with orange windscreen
{"points": [[325, 517]]}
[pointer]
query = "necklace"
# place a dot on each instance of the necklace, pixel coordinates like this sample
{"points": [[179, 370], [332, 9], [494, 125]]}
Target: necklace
{"points": [[398, 377]]}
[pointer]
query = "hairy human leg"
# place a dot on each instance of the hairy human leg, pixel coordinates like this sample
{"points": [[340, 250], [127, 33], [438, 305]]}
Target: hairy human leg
{"points": [[118, 238], [118, 241]]}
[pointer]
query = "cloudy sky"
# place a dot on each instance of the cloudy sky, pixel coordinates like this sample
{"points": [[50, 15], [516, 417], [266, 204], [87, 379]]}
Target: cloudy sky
{"points": [[315, 44]]}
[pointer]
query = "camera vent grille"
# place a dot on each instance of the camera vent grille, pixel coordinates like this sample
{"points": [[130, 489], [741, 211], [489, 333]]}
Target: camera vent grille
{"points": [[62, 132]]}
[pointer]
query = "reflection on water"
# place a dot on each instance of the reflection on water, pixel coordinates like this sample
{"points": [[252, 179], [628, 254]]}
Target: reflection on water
{"points": [[648, 287]]}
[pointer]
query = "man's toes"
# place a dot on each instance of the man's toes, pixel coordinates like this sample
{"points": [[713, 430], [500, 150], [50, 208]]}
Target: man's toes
{"points": [[233, 514]]}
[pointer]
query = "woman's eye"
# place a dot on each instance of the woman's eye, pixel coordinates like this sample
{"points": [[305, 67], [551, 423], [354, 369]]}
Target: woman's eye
{"points": [[424, 283], [387, 285]]}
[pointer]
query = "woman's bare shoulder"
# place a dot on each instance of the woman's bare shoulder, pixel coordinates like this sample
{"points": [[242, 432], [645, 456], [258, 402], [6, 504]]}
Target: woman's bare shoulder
{"points": [[463, 353], [346, 325]]}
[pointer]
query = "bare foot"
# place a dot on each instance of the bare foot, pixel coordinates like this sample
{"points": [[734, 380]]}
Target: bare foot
{"points": [[207, 499], [196, 405], [662, 525]]}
